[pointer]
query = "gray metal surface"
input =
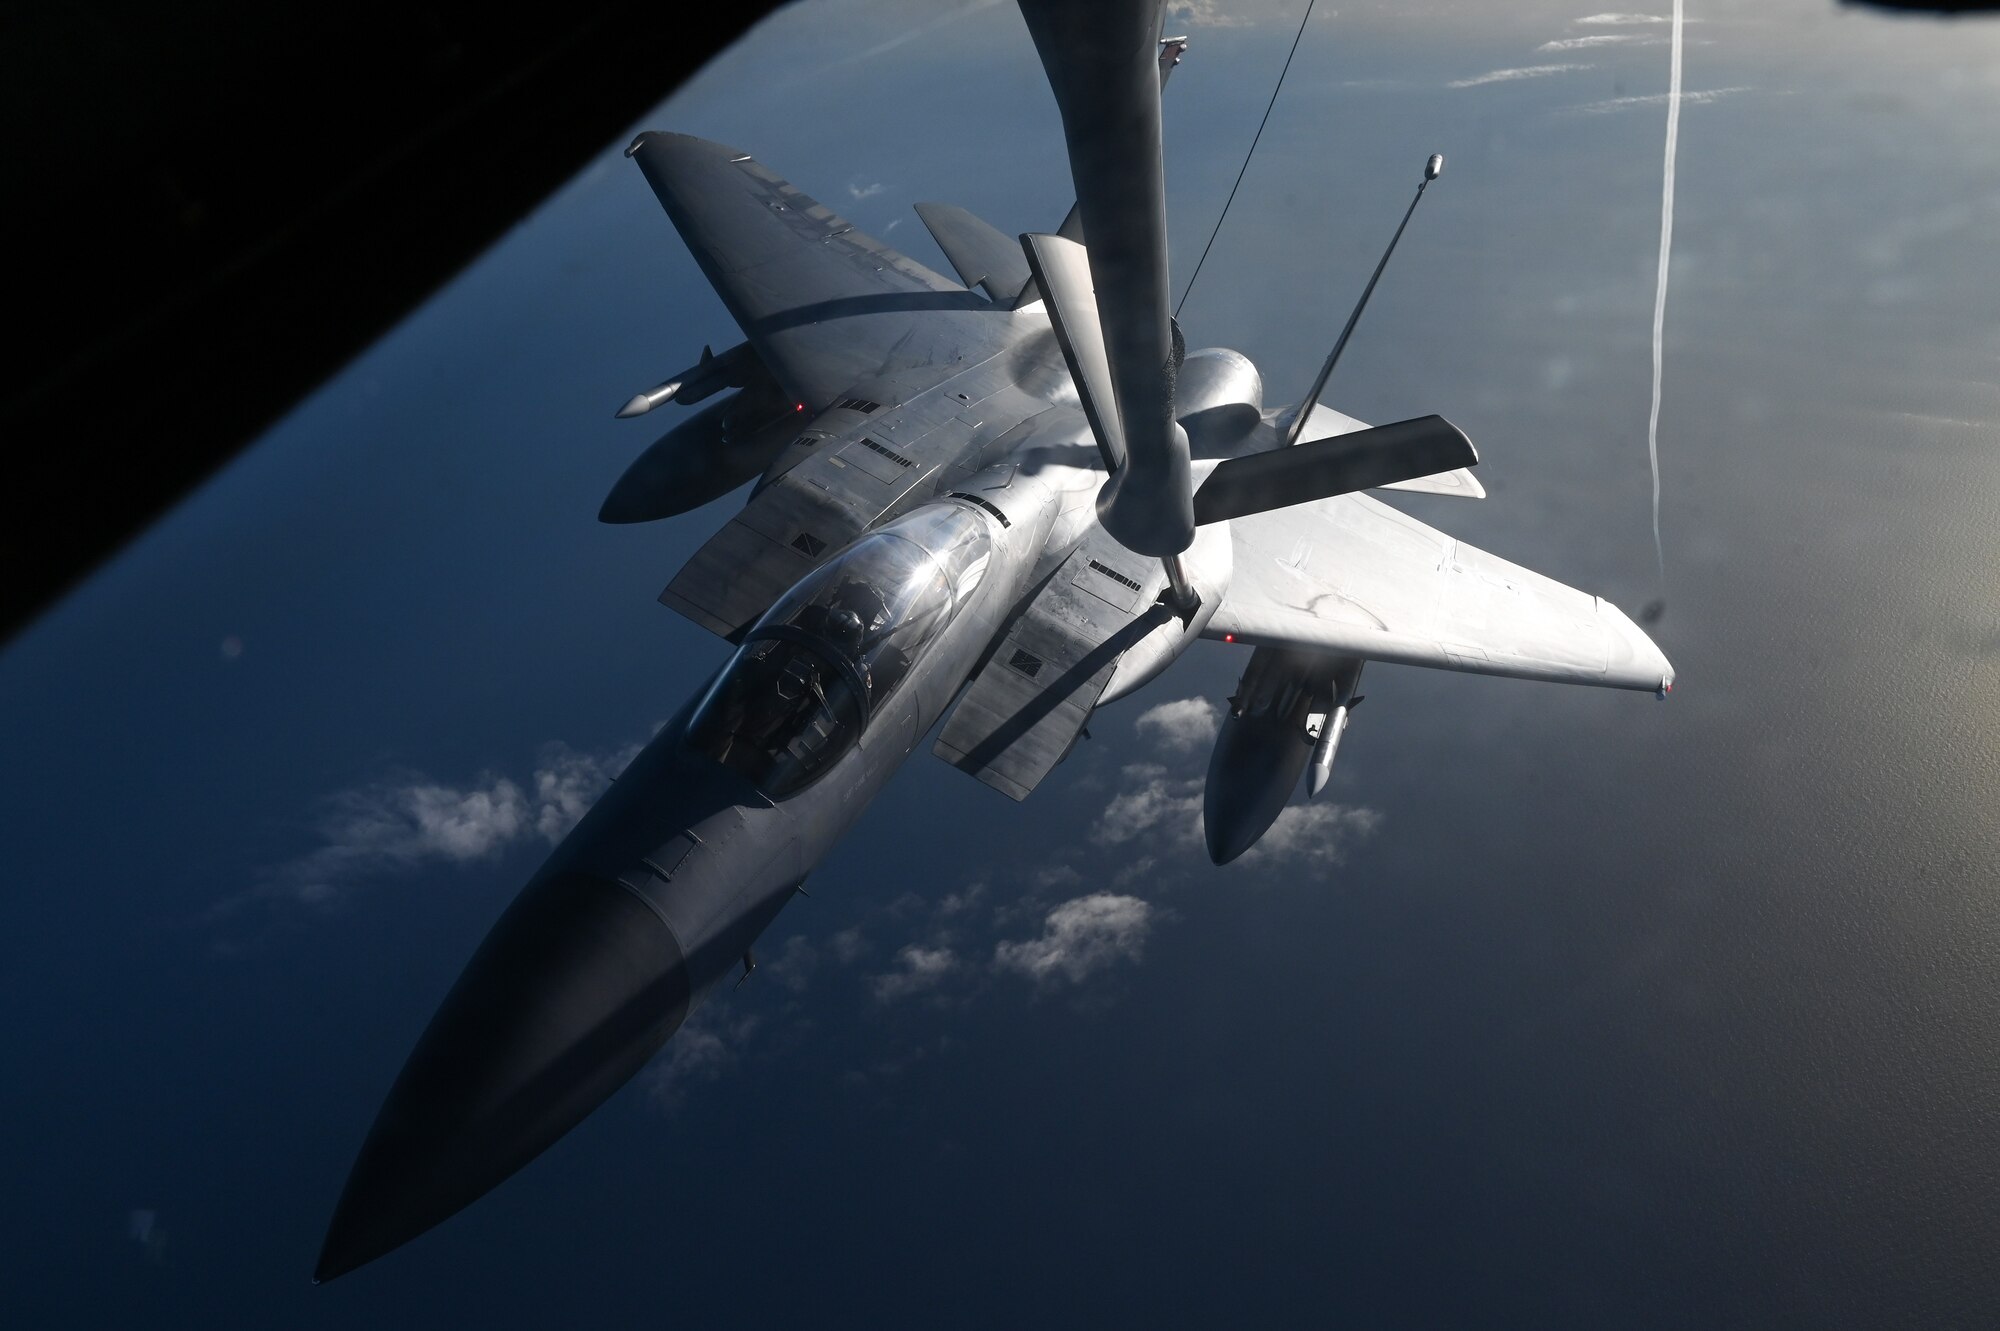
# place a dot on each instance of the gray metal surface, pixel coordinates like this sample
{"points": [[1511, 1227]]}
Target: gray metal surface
{"points": [[1103, 62], [1221, 400], [1280, 478], [856, 468], [1025, 707], [824, 305], [980, 254], [1325, 422]]}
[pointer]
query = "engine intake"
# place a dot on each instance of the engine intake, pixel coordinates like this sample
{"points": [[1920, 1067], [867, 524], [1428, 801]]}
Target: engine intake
{"points": [[1220, 399]]}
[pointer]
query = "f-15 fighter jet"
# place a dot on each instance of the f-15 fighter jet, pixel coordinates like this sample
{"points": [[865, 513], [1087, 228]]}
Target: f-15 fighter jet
{"points": [[1017, 490]]}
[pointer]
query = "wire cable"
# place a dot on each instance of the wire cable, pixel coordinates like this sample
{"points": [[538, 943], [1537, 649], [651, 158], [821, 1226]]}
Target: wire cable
{"points": [[1185, 291]]}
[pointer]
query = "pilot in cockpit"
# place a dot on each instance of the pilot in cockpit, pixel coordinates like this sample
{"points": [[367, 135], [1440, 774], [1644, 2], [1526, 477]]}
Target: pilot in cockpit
{"points": [[800, 686], [811, 675]]}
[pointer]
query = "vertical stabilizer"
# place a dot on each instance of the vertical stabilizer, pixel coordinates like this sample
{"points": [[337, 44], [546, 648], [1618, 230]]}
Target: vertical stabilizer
{"points": [[1062, 270]]}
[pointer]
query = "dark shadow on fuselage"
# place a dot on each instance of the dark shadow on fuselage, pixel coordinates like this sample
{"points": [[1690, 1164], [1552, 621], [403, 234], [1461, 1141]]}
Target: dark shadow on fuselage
{"points": [[1065, 684], [849, 307]]}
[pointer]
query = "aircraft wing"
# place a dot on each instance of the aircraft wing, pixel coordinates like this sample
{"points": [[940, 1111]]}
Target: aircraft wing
{"points": [[824, 305], [1352, 576]]}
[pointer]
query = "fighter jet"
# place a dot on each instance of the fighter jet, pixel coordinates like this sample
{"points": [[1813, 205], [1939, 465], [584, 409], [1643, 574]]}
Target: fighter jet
{"points": [[1001, 502]]}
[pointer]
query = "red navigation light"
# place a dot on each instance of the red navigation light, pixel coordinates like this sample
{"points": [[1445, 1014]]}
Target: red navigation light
{"points": [[1229, 637], [800, 407]]}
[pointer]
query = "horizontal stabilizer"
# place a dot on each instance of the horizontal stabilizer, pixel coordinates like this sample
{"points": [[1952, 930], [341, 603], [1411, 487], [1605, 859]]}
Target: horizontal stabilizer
{"points": [[1062, 269], [1326, 467], [979, 253], [1458, 482]]}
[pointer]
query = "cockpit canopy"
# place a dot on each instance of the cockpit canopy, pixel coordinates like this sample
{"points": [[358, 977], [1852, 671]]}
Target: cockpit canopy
{"points": [[821, 662]]}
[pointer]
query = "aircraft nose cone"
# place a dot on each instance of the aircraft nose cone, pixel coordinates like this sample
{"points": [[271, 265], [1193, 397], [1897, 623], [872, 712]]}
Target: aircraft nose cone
{"points": [[1221, 851], [1251, 776], [1232, 823], [574, 989]]}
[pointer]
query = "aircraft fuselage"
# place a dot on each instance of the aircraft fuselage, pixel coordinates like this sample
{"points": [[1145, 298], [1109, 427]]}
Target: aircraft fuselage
{"points": [[654, 899]]}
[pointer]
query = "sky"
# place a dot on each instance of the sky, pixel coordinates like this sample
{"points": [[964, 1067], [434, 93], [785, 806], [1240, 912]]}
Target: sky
{"points": [[1560, 1007]]}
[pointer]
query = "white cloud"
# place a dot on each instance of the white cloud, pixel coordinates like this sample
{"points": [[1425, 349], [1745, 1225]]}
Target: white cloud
{"points": [[1162, 816], [957, 903], [918, 969], [1624, 20], [451, 824], [142, 1225], [699, 1052], [1182, 726], [1135, 871], [1079, 938], [1603, 39], [1203, 14], [866, 191], [910, 34], [1512, 75], [848, 945], [567, 783], [1056, 875], [1702, 98], [794, 964], [399, 823], [1313, 834], [1167, 807]]}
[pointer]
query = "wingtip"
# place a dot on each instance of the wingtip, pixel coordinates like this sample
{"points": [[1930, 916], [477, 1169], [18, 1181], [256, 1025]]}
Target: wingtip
{"points": [[1643, 665], [654, 143]]}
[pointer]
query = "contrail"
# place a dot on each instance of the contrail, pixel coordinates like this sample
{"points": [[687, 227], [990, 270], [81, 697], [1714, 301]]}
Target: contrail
{"points": [[1660, 297]]}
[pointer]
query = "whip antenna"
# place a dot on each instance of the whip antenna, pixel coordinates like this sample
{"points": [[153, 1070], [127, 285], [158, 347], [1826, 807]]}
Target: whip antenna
{"points": [[1246, 160], [1432, 170]]}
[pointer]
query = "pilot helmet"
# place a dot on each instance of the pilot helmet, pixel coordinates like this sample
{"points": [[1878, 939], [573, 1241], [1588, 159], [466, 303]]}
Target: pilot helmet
{"points": [[843, 627]]}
